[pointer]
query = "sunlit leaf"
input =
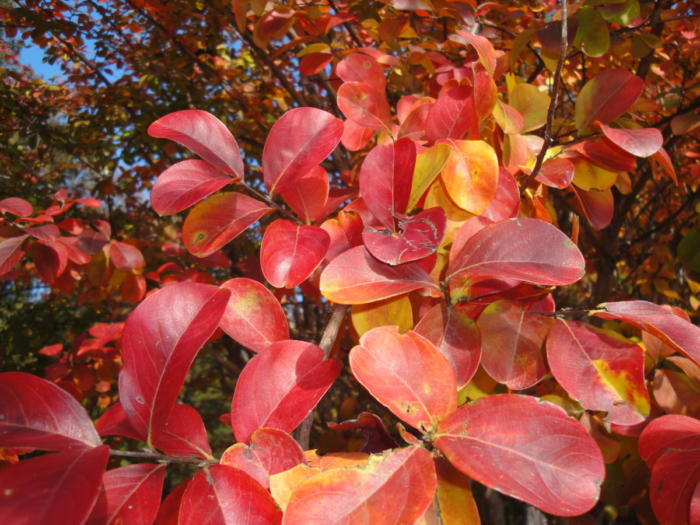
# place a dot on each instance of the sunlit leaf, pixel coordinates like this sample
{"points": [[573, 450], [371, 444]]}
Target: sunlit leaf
{"points": [[639, 142], [527, 449], [395, 310], [364, 105], [471, 175], [453, 116], [184, 184]]}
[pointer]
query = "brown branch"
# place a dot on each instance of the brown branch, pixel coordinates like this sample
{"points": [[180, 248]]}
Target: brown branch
{"points": [[548, 139], [162, 458], [330, 334], [351, 30]]}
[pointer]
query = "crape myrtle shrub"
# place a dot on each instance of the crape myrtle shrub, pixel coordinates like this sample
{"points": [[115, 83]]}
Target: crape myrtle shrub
{"points": [[419, 248]]}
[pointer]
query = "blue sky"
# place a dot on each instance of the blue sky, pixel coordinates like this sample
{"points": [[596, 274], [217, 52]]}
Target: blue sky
{"points": [[32, 56]]}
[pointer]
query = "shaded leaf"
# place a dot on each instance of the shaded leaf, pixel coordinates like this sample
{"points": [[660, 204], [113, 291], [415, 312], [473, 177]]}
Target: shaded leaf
{"points": [[453, 116], [639, 142], [364, 105], [185, 184], [182, 434], [606, 97]]}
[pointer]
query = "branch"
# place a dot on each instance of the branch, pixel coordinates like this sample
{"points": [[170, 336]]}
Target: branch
{"points": [[330, 333], [351, 30], [548, 139], [156, 456]]}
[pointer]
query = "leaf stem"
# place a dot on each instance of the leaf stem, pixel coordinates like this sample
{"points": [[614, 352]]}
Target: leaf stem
{"points": [[163, 458]]}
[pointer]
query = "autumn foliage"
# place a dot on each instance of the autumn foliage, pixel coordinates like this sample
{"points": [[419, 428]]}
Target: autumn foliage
{"points": [[440, 259]]}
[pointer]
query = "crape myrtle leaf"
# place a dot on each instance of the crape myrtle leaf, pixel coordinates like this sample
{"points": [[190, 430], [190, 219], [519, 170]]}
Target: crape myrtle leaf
{"points": [[36, 413], [253, 317], [50, 259], [53, 489], [204, 134], [417, 237], [130, 495], [308, 197], [407, 374], [589, 176], [182, 434], [222, 495], [606, 97], [359, 67], [592, 34], [282, 485], [16, 206], [639, 142], [599, 371], [508, 118], [270, 452], [114, 422], [290, 253], [170, 507], [385, 180], [453, 116], [377, 437], [217, 220], [471, 175], [429, 164], [45, 232], [454, 502], [297, 143], [314, 63], [395, 310], [556, 173], [456, 336], [280, 386], [671, 447], [185, 184], [512, 249], [484, 48], [161, 339], [364, 105], [345, 231], [670, 328], [512, 344], [355, 277], [395, 487], [606, 155], [531, 103], [663, 160], [527, 449], [355, 137], [11, 252], [598, 206], [125, 256]]}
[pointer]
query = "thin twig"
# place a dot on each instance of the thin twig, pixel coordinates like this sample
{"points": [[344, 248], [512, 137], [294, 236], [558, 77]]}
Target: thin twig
{"points": [[548, 139], [155, 456], [330, 334]]}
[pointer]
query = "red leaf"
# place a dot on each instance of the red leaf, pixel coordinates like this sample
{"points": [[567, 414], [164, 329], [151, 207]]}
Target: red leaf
{"points": [[407, 374], [28, 416], [512, 342], [355, 277], [556, 173], [218, 220], [453, 115], [601, 372], [53, 489], [182, 434], [114, 422], [170, 507], [484, 48], [671, 447], [418, 237], [395, 487], [598, 206], [161, 339], [385, 180], [606, 97], [314, 63], [270, 451], [664, 324], [527, 449], [280, 386], [376, 436], [184, 184], [205, 135], [11, 252], [606, 155], [359, 67], [309, 196], [639, 142], [129, 495], [456, 336], [355, 137], [512, 249], [290, 253], [223, 495], [253, 316], [50, 259], [297, 143], [364, 105], [125, 256], [16, 206]]}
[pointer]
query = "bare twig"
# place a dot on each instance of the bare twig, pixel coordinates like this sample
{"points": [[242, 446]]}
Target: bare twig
{"points": [[330, 333], [548, 138], [155, 456]]}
